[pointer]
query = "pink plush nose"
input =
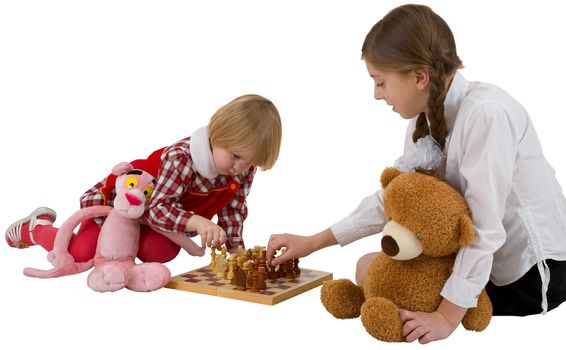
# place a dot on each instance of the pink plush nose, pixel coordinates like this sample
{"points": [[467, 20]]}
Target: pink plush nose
{"points": [[132, 199]]}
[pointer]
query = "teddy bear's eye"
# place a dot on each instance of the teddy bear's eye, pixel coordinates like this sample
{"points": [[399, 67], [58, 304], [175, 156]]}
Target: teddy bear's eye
{"points": [[131, 182]]}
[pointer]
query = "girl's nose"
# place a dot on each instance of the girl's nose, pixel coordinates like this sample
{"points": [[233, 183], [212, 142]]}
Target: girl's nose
{"points": [[378, 95]]}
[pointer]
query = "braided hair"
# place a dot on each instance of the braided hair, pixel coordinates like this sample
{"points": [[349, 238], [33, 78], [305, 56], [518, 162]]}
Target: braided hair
{"points": [[414, 37]]}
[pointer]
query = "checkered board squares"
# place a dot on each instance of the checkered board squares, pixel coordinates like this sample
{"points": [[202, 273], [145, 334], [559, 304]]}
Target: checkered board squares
{"points": [[204, 281]]}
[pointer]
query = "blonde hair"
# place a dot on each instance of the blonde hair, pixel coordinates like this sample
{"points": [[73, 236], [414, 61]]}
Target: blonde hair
{"points": [[248, 122], [414, 37]]}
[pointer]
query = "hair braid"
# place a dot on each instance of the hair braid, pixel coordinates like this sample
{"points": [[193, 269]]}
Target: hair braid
{"points": [[437, 90], [421, 128]]}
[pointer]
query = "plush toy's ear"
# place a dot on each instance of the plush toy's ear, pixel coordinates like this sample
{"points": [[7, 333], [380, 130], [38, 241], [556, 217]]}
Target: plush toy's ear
{"points": [[122, 168], [387, 175], [466, 230]]}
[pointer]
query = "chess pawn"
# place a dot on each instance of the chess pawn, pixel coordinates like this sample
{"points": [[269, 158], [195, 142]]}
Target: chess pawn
{"points": [[249, 254], [257, 251], [212, 264], [247, 269], [261, 278], [241, 280], [289, 273], [231, 267], [221, 267], [254, 287], [272, 273], [241, 259], [296, 268]]}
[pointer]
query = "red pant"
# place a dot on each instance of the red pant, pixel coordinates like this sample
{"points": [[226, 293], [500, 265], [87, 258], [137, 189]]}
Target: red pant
{"points": [[153, 246]]}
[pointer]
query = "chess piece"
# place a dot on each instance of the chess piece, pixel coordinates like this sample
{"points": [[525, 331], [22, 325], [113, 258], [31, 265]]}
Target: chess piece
{"points": [[254, 287], [231, 267], [289, 269], [272, 273], [261, 285], [296, 268], [240, 251], [247, 269], [221, 267], [241, 280], [212, 264]]}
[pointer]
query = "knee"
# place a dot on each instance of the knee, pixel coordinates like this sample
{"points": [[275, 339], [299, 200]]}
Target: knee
{"points": [[154, 247], [362, 267]]}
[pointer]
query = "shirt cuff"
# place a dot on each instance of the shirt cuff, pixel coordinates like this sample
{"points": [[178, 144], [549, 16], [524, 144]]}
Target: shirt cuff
{"points": [[181, 223], [342, 231], [461, 292]]}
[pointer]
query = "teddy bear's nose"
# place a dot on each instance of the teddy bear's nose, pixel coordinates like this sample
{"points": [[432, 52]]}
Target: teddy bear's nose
{"points": [[389, 246]]}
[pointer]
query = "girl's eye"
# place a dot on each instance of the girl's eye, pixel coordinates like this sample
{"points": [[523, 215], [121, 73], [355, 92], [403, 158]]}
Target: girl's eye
{"points": [[235, 156], [379, 84]]}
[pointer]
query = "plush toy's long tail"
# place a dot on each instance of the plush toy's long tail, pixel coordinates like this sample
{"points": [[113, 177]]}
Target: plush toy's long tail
{"points": [[65, 270], [62, 261]]}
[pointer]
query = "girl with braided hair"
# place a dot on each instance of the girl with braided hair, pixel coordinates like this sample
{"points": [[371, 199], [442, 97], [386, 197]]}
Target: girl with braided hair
{"points": [[488, 150]]}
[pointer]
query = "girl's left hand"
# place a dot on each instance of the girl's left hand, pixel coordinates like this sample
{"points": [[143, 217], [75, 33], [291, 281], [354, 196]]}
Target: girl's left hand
{"points": [[424, 326]]}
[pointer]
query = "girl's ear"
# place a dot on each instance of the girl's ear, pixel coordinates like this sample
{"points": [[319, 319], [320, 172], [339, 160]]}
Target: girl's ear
{"points": [[422, 78]]}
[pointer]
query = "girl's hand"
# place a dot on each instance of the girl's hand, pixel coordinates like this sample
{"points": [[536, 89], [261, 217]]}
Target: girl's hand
{"points": [[424, 326], [296, 247], [211, 234], [427, 327]]}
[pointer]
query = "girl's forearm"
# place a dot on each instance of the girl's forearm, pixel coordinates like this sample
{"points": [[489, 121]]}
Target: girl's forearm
{"points": [[322, 240]]}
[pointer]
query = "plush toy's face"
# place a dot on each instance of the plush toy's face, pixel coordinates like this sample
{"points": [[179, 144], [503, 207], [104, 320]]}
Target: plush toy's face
{"points": [[425, 215], [133, 191]]}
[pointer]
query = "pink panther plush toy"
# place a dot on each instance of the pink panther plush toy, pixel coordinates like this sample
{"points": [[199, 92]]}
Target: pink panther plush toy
{"points": [[114, 265]]}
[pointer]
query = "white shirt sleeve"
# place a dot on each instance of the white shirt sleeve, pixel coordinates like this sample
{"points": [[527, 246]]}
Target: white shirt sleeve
{"points": [[486, 157], [367, 219]]}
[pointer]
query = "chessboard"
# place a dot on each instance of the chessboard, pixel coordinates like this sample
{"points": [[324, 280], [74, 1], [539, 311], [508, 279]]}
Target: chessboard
{"points": [[204, 281]]}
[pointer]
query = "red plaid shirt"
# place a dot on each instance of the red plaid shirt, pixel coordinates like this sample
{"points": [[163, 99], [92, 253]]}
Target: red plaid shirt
{"points": [[177, 176]]}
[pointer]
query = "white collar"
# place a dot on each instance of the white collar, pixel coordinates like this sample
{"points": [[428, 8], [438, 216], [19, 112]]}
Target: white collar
{"points": [[201, 153]]}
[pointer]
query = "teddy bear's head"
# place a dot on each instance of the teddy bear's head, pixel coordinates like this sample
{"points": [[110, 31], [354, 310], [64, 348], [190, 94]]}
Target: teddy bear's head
{"points": [[425, 216]]}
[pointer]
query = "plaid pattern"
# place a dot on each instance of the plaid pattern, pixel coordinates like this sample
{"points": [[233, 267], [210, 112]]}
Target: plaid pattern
{"points": [[176, 177]]}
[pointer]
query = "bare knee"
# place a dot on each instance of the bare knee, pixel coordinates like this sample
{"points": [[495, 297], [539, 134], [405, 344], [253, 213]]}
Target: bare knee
{"points": [[362, 267]]}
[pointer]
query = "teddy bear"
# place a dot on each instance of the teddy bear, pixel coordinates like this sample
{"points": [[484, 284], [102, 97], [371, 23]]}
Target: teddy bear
{"points": [[117, 245], [427, 222]]}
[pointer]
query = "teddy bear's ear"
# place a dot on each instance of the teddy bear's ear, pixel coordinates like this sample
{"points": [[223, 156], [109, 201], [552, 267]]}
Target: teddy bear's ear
{"points": [[388, 174], [466, 230]]}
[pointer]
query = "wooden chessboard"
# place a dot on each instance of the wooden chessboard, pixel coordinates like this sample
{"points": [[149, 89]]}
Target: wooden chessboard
{"points": [[204, 281]]}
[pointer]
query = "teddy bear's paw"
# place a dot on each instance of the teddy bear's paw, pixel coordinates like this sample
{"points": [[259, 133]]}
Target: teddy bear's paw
{"points": [[342, 298], [148, 276], [107, 278], [380, 317], [478, 318]]}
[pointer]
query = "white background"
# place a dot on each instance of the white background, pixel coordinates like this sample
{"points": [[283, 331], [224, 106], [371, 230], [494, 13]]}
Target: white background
{"points": [[84, 85]]}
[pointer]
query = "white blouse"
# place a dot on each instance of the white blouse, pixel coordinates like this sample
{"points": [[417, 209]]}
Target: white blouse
{"points": [[494, 159]]}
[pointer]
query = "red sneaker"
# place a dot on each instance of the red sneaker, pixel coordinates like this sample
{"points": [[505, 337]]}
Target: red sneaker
{"points": [[40, 216]]}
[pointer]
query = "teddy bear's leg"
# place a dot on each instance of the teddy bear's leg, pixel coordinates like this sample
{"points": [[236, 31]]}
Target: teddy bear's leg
{"points": [[148, 276], [381, 319], [477, 318], [342, 298], [110, 276]]}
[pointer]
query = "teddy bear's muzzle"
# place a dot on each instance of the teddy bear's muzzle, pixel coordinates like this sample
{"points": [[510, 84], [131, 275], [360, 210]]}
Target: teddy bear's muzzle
{"points": [[400, 243]]}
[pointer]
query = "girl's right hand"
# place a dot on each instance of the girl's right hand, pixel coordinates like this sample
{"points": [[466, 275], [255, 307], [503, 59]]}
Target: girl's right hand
{"points": [[296, 247], [210, 233]]}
